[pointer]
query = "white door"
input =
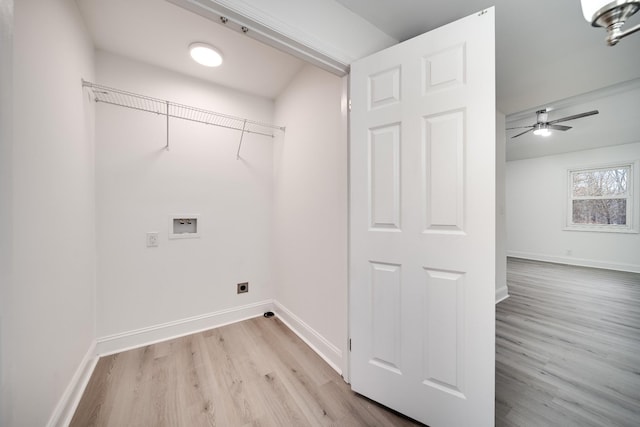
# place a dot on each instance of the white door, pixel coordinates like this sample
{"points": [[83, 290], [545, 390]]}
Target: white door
{"points": [[422, 225]]}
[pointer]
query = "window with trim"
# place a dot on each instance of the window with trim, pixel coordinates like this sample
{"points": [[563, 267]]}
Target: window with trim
{"points": [[601, 199]]}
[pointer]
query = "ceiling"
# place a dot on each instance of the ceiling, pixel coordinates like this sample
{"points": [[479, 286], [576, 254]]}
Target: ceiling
{"points": [[159, 33], [616, 123], [547, 55], [545, 50]]}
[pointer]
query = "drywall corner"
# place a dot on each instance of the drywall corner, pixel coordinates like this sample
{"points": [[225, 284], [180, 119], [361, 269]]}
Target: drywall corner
{"points": [[311, 210], [131, 339], [318, 343], [70, 399], [53, 203], [501, 220]]}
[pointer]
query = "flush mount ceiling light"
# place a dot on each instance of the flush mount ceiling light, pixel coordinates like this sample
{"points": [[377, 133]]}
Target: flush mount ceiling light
{"points": [[205, 54], [611, 15]]}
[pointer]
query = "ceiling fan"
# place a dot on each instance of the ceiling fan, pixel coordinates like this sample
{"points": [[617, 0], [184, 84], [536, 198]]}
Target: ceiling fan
{"points": [[543, 127]]}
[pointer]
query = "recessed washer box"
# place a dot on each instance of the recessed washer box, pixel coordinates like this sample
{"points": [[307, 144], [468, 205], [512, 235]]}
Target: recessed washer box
{"points": [[184, 226]]}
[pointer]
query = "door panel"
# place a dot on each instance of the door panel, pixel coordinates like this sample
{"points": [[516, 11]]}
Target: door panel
{"points": [[385, 316], [384, 179], [443, 169], [444, 311], [384, 88], [422, 241]]}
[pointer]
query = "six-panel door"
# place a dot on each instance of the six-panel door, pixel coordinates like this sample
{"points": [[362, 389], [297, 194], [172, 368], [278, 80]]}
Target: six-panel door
{"points": [[422, 234]]}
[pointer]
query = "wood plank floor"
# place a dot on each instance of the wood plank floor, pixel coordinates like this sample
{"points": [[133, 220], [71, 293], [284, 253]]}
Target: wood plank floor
{"points": [[568, 347], [567, 354], [252, 373]]}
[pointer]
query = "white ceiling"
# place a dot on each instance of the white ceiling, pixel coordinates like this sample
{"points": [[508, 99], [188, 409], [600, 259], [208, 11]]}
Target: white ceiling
{"points": [[617, 123], [545, 50], [545, 54], [159, 33]]}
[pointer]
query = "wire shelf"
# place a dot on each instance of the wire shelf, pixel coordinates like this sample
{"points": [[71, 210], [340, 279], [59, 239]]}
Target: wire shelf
{"points": [[135, 101]]}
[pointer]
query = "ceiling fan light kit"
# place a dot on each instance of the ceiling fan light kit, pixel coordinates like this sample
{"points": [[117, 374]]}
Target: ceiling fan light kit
{"points": [[611, 15], [541, 129]]}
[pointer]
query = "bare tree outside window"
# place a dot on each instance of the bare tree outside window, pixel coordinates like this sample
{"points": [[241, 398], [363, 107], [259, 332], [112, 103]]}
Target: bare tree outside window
{"points": [[600, 197], [604, 211]]}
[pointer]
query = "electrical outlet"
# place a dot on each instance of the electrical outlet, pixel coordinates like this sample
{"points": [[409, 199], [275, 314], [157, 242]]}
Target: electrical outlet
{"points": [[152, 239], [243, 287]]}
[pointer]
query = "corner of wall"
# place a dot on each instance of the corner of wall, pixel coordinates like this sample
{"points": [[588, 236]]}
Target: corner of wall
{"points": [[501, 222], [131, 339], [502, 294], [318, 343], [537, 196], [66, 407], [310, 171], [52, 266]]}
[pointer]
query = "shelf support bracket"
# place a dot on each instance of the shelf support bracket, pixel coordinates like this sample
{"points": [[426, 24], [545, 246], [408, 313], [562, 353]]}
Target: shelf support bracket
{"points": [[244, 126], [167, 146]]}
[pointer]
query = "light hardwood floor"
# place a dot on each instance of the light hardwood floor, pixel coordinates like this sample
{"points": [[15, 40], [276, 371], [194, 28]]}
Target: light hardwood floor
{"points": [[252, 373], [567, 354], [568, 347]]}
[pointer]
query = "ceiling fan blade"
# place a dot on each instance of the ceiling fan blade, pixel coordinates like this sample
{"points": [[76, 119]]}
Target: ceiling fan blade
{"points": [[526, 131], [577, 116], [521, 127], [559, 127]]}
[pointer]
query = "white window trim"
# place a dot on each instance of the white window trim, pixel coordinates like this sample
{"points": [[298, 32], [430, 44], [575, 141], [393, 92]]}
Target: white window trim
{"points": [[633, 200]]}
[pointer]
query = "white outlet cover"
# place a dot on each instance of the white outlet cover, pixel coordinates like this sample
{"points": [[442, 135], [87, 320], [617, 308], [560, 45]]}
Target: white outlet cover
{"points": [[152, 239]]}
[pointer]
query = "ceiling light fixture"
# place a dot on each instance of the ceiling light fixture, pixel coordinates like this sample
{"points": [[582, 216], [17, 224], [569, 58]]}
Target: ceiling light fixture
{"points": [[541, 129], [611, 15], [205, 54]]}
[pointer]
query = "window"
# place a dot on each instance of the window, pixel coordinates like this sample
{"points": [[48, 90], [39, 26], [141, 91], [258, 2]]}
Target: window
{"points": [[601, 199]]}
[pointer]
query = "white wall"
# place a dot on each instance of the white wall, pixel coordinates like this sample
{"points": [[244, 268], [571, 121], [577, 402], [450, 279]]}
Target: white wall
{"points": [[6, 201], [310, 220], [139, 185], [51, 329], [536, 201], [501, 221]]}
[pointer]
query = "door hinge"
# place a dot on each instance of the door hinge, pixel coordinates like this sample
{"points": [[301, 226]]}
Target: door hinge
{"points": [[349, 344], [349, 105]]}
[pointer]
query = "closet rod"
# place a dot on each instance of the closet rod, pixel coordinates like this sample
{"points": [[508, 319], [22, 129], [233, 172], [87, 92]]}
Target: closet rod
{"points": [[109, 95]]}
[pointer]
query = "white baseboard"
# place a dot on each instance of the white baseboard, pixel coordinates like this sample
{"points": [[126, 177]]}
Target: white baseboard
{"points": [[608, 265], [115, 343], [502, 294], [325, 349], [68, 403], [152, 334]]}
